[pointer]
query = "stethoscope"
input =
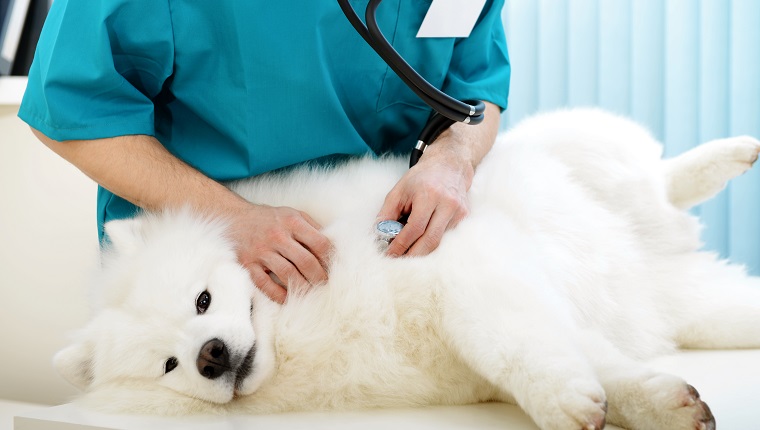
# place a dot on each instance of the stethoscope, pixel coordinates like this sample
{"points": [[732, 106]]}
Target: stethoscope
{"points": [[446, 109]]}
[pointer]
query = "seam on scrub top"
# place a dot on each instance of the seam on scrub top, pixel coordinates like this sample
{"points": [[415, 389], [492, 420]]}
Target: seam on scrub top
{"points": [[387, 67]]}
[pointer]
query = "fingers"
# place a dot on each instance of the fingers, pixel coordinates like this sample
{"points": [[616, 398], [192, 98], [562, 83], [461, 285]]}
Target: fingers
{"points": [[284, 270], [300, 257], [274, 274], [414, 229], [266, 284], [305, 264], [282, 247], [426, 226], [317, 246], [430, 240]]}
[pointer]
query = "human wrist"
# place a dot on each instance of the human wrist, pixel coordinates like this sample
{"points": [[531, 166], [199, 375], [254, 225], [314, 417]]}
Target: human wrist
{"points": [[451, 151], [237, 210], [467, 143]]}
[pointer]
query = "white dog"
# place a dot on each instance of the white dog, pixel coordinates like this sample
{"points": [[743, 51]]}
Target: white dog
{"points": [[576, 261]]}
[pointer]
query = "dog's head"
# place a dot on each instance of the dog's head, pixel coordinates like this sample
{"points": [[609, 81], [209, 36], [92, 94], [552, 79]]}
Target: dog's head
{"points": [[175, 314]]}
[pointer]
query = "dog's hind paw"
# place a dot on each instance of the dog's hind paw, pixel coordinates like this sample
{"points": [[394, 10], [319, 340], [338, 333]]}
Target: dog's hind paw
{"points": [[661, 402], [684, 410], [735, 155], [695, 411], [721, 160], [699, 174]]}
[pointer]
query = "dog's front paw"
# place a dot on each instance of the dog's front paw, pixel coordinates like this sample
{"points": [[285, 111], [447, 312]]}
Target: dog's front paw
{"points": [[579, 405]]}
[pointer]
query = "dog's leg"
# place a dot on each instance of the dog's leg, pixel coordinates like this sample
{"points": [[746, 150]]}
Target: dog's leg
{"points": [[522, 350], [718, 307], [699, 174], [504, 317], [731, 327], [641, 398]]}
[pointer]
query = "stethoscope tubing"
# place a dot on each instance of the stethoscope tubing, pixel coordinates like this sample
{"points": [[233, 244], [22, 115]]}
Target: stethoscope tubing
{"points": [[435, 98], [447, 109]]}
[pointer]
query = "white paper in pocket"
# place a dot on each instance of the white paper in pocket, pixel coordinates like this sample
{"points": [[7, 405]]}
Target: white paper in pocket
{"points": [[451, 18]]}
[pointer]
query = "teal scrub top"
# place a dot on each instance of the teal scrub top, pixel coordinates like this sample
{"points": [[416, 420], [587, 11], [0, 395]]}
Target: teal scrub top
{"points": [[236, 88]]}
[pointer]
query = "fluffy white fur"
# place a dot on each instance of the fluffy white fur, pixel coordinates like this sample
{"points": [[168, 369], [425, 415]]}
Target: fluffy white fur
{"points": [[577, 261]]}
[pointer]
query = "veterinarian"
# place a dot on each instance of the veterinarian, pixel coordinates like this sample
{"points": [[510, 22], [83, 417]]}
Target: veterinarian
{"points": [[160, 101]]}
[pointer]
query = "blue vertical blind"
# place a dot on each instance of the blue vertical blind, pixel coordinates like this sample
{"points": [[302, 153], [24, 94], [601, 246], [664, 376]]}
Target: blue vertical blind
{"points": [[689, 70]]}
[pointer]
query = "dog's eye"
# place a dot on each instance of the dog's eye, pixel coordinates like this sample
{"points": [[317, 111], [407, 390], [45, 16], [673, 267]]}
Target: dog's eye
{"points": [[202, 302], [171, 363]]}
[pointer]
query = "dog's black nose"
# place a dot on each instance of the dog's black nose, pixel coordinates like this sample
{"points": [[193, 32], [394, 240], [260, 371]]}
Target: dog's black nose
{"points": [[213, 359]]}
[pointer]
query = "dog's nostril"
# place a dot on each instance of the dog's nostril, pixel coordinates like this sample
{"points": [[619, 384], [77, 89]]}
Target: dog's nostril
{"points": [[208, 372], [213, 359], [216, 352]]}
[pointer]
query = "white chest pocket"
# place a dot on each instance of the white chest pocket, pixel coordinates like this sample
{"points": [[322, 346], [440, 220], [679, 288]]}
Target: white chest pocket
{"points": [[451, 18]]}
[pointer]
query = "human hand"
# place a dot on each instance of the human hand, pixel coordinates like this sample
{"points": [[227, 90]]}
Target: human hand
{"points": [[280, 247], [434, 194]]}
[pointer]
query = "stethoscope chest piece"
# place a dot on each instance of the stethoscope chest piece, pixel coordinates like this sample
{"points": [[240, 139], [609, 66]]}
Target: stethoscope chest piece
{"points": [[387, 230]]}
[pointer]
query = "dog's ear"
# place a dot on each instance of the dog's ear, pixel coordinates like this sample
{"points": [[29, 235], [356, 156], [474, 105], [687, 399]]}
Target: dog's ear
{"points": [[124, 234], [74, 363]]}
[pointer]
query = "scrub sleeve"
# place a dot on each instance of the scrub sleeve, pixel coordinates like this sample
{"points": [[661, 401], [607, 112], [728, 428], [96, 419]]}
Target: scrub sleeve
{"points": [[94, 75], [480, 63]]}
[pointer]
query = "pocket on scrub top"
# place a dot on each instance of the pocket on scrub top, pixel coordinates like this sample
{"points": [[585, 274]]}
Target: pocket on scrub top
{"points": [[430, 57]]}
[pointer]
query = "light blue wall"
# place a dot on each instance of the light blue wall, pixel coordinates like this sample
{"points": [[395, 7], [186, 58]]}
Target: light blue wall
{"points": [[687, 69]]}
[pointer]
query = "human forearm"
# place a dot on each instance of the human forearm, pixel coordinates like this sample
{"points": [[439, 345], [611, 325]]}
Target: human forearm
{"points": [[465, 145], [139, 169]]}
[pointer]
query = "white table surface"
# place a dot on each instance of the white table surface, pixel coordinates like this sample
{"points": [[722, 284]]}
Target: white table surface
{"points": [[729, 381]]}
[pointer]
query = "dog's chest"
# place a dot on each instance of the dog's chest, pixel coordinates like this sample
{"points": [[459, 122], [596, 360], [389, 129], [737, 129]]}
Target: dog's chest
{"points": [[373, 356]]}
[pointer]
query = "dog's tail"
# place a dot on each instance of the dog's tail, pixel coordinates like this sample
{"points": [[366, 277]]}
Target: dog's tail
{"points": [[699, 174]]}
